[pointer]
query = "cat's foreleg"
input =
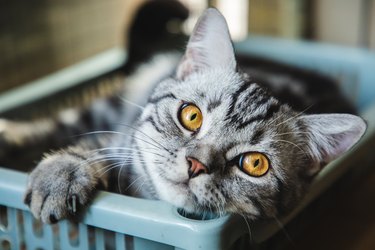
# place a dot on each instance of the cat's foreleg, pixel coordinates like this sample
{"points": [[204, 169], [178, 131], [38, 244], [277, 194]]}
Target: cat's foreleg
{"points": [[24, 142], [65, 182]]}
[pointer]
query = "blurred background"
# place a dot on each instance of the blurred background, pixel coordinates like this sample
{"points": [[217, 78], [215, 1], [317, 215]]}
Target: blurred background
{"points": [[42, 36]]}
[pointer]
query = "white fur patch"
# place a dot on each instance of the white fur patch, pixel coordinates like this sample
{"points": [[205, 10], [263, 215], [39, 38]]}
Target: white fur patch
{"points": [[69, 116]]}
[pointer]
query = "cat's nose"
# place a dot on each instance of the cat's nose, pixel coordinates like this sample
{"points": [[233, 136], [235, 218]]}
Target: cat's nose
{"points": [[196, 167]]}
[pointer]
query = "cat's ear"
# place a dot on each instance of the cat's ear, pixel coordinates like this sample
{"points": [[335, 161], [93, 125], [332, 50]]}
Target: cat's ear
{"points": [[209, 45], [332, 134]]}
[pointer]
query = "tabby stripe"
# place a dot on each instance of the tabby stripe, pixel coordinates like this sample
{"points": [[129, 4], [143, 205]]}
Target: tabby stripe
{"points": [[158, 119], [234, 97], [158, 99], [151, 120], [262, 100], [257, 136], [87, 118], [75, 154], [270, 112], [212, 105], [176, 131]]}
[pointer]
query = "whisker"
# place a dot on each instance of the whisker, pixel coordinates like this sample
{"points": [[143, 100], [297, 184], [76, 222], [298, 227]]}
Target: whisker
{"points": [[100, 132], [129, 126], [297, 115], [293, 133], [292, 143], [127, 149], [119, 175], [109, 168], [131, 103], [133, 182], [281, 226], [141, 139], [248, 229]]}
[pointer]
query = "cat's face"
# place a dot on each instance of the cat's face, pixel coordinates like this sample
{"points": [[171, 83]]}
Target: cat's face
{"points": [[229, 121], [211, 140]]}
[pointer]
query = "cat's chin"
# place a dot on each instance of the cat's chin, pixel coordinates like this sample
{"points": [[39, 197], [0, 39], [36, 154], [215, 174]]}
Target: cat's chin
{"points": [[177, 193], [185, 195]]}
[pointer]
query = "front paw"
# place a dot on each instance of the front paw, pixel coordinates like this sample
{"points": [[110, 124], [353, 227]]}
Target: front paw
{"points": [[60, 187]]}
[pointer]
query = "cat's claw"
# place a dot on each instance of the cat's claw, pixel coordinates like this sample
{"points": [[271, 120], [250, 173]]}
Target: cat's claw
{"points": [[72, 204], [58, 189]]}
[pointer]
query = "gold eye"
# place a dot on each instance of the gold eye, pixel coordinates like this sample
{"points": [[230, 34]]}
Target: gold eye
{"points": [[254, 164], [190, 117]]}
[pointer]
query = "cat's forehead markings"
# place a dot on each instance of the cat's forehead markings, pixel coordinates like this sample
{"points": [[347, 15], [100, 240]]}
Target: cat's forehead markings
{"points": [[213, 104]]}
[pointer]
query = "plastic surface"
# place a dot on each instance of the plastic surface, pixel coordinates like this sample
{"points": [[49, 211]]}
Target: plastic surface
{"points": [[121, 222], [354, 68]]}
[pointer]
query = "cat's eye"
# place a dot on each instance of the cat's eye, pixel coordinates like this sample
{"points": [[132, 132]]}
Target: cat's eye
{"points": [[190, 117], [254, 164]]}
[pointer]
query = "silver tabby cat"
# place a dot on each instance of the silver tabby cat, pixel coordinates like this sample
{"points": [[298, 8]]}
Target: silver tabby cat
{"points": [[208, 139]]}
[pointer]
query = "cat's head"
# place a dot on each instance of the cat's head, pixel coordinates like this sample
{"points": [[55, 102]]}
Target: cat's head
{"points": [[210, 139]]}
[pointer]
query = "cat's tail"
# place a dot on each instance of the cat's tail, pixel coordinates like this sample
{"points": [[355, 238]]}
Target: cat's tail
{"points": [[149, 31]]}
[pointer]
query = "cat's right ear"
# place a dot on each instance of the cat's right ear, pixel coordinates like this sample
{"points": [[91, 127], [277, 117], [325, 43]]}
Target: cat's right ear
{"points": [[331, 135], [209, 46]]}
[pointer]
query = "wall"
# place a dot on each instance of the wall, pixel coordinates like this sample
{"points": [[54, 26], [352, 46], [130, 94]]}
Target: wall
{"points": [[39, 37], [345, 22]]}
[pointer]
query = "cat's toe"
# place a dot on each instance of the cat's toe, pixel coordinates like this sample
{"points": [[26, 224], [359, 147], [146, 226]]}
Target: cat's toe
{"points": [[27, 198], [53, 206], [58, 189], [53, 209]]}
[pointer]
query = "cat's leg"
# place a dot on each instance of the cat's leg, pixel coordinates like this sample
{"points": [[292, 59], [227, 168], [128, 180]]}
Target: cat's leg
{"points": [[22, 143], [65, 182]]}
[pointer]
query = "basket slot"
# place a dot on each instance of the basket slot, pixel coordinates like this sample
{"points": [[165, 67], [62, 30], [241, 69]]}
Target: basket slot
{"points": [[10, 236], [3, 218], [34, 240], [73, 237]]}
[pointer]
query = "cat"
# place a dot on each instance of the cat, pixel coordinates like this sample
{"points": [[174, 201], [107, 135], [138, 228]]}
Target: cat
{"points": [[205, 132]]}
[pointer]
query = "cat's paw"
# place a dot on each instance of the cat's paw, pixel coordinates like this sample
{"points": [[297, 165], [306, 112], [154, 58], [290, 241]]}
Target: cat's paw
{"points": [[60, 187]]}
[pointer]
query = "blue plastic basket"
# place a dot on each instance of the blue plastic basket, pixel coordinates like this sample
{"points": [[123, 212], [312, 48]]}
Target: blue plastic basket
{"points": [[121, 222]]}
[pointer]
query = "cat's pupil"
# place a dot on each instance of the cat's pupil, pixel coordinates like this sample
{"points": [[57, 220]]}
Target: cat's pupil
{"points": [[256, 163], [193, 117]]}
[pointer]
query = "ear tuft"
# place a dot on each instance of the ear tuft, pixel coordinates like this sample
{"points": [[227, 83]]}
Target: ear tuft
{"points": [[209, 45]]}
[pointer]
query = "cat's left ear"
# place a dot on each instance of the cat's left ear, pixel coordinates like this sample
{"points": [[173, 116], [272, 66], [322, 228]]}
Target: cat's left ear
{"points": [[209, 46], [331, 135]]}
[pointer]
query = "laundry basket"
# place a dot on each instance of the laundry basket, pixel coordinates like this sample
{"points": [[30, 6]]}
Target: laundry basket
{"points": [[119, 222]]}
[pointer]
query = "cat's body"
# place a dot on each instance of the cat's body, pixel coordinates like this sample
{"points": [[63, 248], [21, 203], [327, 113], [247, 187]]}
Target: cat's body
{"points": [[201, 134]]}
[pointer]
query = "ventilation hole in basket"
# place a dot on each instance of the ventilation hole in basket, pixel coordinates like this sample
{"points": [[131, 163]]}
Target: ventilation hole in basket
{"points": [[73, 234], [5, 244], [194, 216], [91, 235], [109, 240], [38, 228], [129, 242], [3, 218]]}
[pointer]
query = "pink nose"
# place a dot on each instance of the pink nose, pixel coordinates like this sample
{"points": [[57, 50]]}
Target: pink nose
{"points": [[196, 167]]}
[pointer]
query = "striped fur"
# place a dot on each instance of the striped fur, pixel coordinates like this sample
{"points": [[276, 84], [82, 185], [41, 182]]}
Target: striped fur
{"points": [[146, 149]]}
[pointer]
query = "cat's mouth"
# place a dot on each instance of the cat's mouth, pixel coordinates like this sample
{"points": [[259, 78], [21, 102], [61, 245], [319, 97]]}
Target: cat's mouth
{"points": [[183, 183]]}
